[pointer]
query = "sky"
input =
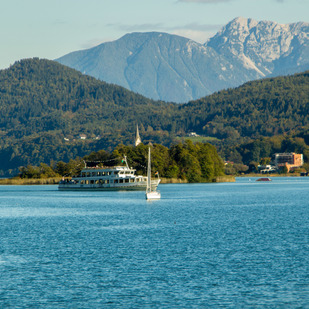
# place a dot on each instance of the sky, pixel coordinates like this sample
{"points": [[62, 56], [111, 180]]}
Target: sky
{"points": [[52, 28]]}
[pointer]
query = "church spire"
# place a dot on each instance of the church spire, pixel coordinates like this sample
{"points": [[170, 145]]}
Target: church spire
{"points": [[137, 138]]}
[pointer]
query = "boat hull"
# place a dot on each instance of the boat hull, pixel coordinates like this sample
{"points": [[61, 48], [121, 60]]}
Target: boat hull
{"points": [[111, 187], [153, 195], [264, 179]]}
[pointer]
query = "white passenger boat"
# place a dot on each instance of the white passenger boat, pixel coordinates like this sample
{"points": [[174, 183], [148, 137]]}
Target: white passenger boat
{"points": [[115, 178], [151, 190]]}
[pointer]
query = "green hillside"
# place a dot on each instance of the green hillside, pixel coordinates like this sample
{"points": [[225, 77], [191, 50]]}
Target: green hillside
{"points": [[260, 108], [45, 107], [40, 96]]}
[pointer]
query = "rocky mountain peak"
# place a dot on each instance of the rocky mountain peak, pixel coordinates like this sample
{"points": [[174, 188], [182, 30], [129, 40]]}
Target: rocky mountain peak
{"points": [[262, 43], [173, 68]]}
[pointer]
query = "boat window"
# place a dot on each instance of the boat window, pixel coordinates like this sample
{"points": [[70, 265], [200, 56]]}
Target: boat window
{"points": [[107, 181], [81, 182], [127, 180], [88, 174], [116, 181], [83, 174], [87, 182], [120, 180]]}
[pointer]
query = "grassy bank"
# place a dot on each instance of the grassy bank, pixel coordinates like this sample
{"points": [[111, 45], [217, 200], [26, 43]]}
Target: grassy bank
{"points": [[226, 178], [173, 180], [271, 175], [217, 179], [26, 181]]}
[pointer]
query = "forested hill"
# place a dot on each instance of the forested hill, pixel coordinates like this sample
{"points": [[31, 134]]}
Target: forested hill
{"points": [[42, 95], [45, 107], [260, 108]]}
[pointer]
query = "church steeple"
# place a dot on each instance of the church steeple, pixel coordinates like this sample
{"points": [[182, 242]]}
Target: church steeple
{"points": [[137, 137]]}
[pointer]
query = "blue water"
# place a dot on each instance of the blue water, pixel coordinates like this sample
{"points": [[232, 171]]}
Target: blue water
{"points": [[230, 245]]}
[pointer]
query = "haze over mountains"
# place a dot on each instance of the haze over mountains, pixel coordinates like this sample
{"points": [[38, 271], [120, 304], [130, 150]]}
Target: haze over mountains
{"points": [[173, 68]]}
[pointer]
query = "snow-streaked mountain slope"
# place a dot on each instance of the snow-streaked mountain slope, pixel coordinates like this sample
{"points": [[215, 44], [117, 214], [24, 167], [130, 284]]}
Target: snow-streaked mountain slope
{"points": [[173, 68]]}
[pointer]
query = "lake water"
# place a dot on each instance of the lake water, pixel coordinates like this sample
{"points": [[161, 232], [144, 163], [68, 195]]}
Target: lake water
{"points": [[229, 245]]}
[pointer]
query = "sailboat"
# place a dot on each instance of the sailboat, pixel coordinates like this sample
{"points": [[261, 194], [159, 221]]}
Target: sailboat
{"points": [[151, 194]]}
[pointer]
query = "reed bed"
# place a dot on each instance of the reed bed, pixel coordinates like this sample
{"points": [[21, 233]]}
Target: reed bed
{"points": [[26, 181], [173, 180], [226, 178]]}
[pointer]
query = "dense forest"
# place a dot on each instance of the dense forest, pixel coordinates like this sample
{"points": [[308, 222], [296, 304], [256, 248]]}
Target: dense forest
{"points": [[46, 108], [190, 162], [260, 108], [43, 96]]}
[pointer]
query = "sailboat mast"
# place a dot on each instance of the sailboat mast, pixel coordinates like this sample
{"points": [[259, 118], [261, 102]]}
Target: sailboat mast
{"points": [[149, 172]]}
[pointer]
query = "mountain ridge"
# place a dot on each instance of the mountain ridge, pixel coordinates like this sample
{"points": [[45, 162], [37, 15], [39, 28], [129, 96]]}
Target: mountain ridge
{"points": [[172, 68], [125, 64]]}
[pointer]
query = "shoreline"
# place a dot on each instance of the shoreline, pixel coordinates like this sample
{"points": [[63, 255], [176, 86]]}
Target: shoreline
{"points": [[56, 180], [218, 179], [271, 175]]}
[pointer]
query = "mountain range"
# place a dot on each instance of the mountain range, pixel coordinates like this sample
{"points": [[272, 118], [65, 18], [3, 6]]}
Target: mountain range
{"points": [[172, 68]]}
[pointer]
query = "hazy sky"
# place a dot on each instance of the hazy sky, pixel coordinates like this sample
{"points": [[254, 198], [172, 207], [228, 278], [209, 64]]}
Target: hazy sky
{"points": [[52, 28]]}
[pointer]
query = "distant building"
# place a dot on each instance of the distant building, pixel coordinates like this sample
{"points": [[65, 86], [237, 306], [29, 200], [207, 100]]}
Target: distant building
{"points": [[265, 169], [82, 136], [192, 134], [290, 160], [137, 137]]}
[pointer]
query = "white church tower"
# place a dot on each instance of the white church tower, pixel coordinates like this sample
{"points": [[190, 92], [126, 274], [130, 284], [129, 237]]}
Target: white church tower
{"points": [[137, 137]]}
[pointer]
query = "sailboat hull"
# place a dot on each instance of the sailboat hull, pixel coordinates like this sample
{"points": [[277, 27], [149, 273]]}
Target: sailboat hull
{"points": [[153, 195], [151, 192]]}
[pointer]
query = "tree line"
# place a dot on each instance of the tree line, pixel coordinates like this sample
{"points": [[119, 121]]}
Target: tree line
{"points": [[190, 162]]}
